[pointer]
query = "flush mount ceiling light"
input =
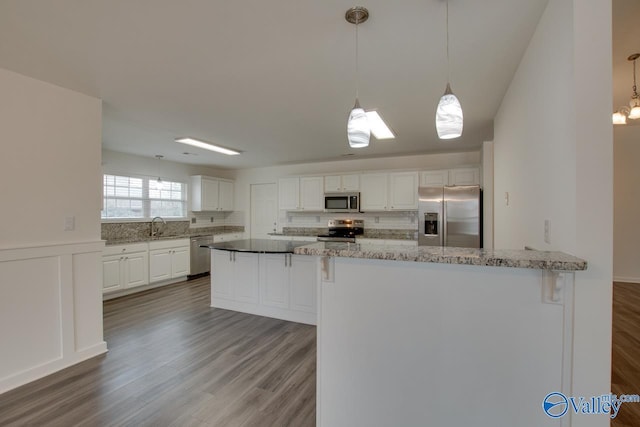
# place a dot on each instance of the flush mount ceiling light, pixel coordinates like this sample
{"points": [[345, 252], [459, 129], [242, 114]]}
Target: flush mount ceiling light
{"points": [[207, 146], [358, 130], [633, 111], [449, 113]]}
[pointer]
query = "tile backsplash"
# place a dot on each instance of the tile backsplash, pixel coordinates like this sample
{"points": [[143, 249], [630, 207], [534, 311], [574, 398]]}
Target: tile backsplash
{"points": [[400, 220]]}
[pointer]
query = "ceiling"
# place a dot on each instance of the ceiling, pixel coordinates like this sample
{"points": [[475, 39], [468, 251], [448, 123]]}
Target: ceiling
{"points": [[273, 79]]}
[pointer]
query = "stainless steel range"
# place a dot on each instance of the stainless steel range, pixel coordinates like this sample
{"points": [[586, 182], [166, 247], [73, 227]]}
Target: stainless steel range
{"points": [[343, 230]]}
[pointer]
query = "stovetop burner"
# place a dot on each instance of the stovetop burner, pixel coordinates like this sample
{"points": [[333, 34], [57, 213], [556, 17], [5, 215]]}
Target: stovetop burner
{"points": [[343, 230]]}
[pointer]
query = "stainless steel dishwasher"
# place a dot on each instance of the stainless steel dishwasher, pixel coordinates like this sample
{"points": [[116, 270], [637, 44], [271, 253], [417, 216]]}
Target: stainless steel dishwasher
{"points": [[200, 257]]}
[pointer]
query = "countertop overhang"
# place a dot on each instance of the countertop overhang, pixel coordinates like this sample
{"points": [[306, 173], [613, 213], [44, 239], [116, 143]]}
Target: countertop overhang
{"points": [[541, 260], [262, 246]]}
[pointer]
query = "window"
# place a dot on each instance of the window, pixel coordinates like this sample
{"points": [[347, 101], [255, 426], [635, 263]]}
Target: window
{"points": [[129, 197]]}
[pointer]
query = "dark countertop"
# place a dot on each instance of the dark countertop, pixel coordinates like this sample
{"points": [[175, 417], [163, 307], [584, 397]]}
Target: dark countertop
{"points": [[262, 246]]}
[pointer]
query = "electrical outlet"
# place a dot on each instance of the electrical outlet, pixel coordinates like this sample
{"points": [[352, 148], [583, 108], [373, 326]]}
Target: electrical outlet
{"points": [[193, 220], [547, 232], [506, 198], [211, 219]]}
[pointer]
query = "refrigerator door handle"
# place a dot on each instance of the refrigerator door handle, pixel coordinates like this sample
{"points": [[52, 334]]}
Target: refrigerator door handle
{"points": [[443, 236]]}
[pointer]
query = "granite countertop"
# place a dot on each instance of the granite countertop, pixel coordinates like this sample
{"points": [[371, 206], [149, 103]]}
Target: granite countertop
{"points": [[494, 258], [194, 233], [264, 246]]}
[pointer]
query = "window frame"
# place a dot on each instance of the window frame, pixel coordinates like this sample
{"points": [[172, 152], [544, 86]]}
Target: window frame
{"points": [[145, 199]]}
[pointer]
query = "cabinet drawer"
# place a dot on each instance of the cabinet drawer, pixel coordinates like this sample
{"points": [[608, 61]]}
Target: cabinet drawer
{"points": [[124, 249], [166, 244]]}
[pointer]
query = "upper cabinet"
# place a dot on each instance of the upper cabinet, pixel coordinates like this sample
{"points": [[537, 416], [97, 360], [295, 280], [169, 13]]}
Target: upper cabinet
{"points": [[395, 191], [464, 176], [211, 194], [301, 194], [460, 176], [437, 178], [341, 183]]}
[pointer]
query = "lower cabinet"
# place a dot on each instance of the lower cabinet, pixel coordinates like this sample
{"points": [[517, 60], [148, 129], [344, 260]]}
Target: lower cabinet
{"points": [[124, 267], [282, 286], [139, 264], [168, 260], [234, 276]]}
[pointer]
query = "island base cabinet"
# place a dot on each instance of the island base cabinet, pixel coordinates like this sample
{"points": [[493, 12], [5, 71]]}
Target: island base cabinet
{"points": [[281, 286], [420, 344]]}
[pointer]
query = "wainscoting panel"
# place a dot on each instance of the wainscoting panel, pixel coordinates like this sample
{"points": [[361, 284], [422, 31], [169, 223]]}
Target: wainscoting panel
{"points": [[50, 310]]}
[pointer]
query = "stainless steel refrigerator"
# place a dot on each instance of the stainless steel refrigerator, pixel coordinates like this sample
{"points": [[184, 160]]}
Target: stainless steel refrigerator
{"points": [[450, 216]]}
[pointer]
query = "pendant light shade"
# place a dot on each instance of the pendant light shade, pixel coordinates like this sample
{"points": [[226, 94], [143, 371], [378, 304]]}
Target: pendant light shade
{"points": [[449, 116], [358, 129], [449, 113]]}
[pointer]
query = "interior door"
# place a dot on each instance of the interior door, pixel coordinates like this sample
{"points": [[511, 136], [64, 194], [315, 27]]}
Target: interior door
{"points": [[264, 210]]}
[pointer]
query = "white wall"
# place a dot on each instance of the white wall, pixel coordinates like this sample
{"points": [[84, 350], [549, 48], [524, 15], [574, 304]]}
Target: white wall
{"points": [[50, 281], [246, 177], [49, 168], [553, 154], [626, 256], [114, 162]]}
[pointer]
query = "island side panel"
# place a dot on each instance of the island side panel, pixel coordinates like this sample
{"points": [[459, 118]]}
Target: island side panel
{"points": [[405, 343]]}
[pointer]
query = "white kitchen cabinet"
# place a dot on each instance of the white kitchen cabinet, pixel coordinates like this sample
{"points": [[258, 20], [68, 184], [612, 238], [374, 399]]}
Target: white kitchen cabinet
{"points": [[222, 275], [312, 193], [389, 191], [435, 178], [168, 259], [289, 194], [234, 277], [225, 195], [246, 277], [275, 280], [282, 286], [341, 183], [124, 267], [288, 282], [211, 194], [301, 194], [464, 176], [374, 189], [302, 283], [403, 191]]}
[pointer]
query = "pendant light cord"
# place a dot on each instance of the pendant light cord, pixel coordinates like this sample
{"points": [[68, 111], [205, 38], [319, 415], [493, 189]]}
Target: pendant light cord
{"points": [[448, 67], [635, 90], [357, 71]]}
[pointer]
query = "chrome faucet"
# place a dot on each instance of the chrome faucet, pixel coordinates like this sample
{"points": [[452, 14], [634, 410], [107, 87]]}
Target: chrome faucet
{"points": [[154, 233]]}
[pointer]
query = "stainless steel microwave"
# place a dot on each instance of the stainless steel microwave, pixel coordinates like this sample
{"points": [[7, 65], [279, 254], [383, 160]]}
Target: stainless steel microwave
{"points": [[342, 202]]}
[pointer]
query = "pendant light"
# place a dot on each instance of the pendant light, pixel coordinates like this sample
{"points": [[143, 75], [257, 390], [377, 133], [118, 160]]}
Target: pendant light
{"points": [[633, 111], [358, 129], [635, 100], [157, 184], [449, 113]]}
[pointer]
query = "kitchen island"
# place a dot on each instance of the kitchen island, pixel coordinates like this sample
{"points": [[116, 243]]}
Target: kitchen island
{"points": [[441, 336], [264, 277]]}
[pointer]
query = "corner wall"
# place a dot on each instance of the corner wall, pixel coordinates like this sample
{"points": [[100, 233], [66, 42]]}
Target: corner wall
{"points": [[50, 278], [553, 155], [626, 257]]}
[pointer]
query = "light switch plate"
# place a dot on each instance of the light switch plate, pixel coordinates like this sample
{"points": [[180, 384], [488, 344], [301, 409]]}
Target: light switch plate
{"points": [[69, 223]]}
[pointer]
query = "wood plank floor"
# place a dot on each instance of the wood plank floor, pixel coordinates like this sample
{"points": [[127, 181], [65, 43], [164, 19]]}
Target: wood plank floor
{"points": [[625, 369], [174, 361]]}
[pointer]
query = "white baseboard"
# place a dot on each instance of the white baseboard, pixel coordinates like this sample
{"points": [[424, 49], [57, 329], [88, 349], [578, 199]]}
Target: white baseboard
{"points": [[51, 367], [626, 279]]}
